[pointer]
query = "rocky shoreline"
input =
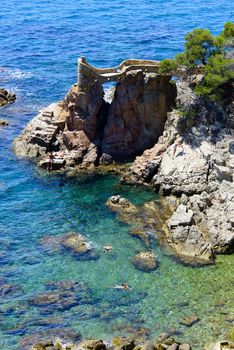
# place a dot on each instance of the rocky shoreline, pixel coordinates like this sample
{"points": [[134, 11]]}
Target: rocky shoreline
{"points": [[191, 164], [121, 343], [164, 342], [196, 168]]}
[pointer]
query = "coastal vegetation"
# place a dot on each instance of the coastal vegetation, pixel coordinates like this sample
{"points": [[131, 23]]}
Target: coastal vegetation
{"points": [[212, 55]]}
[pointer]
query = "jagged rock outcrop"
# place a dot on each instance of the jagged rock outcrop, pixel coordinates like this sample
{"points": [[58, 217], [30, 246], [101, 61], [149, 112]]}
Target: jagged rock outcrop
{"points": [[195, 162], [137, 114], [40, 134], [84, 130], [6, 97], [185, 237], [193, 158]]}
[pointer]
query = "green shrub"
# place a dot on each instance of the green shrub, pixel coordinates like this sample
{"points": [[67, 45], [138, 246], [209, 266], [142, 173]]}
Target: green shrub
{"points": [[200, 45], [217, 72], [231, 336], [228, 31], [202, 49], [167, 66]]}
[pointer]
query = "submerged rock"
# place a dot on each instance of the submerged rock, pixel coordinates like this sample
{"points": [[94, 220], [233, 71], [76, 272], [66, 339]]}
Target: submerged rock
{"points": [[222, 345], [51, 339], [189, 321], [145, 261], [7, 289], [118, 202], [79, 247], [61, 296], [91, 345]]}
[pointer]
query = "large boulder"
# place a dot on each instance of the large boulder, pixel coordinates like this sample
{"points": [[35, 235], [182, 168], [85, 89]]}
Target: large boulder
{"points": [[91, 344], [186, 239], [181, 217], [39, 136], [79, 247], [222, 345], [120, 204], [182, 170], [145, 166], [145, 261]]}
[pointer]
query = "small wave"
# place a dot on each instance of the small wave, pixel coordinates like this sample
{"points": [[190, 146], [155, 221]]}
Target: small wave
{"points": [[11, 73]]}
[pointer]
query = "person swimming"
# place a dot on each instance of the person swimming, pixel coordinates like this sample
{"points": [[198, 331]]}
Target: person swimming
{"points": [[123, 286], [107, 248]]}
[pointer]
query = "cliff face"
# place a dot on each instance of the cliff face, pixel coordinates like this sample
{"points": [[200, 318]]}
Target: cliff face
{"points": [[137, 114], [83, 128], [193, 161]]}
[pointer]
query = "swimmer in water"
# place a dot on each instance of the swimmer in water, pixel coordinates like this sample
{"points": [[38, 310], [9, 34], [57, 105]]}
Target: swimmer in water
{"points": [[123, 286], [107, 248]]}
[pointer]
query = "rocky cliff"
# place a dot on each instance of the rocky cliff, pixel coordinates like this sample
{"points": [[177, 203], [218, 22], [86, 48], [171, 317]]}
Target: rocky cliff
{"points": [[186, 153], [193, 161], [85, 130]]}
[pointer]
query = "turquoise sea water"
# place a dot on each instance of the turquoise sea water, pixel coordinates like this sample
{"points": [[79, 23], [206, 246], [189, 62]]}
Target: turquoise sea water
{"points": [[39, 44]]}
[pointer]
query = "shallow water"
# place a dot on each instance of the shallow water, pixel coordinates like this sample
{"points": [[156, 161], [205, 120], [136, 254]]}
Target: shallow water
{"points": [[39, 44]]}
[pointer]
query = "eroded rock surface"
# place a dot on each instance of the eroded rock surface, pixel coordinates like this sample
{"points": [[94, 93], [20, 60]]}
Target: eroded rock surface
{"points": [[83, 130], [137, 114], [6, 97], [145, 261], [79, 247], [193, 160], [121, 204], [164, 341]]}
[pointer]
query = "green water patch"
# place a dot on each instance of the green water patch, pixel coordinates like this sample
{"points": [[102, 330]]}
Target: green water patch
{"points": [[39, 211]]}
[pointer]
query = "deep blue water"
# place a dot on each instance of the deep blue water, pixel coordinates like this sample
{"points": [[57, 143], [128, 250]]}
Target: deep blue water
{"points": [[40, 42]]}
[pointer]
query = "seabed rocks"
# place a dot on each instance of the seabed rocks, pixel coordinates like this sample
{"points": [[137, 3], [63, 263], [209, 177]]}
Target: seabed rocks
{"points": [[146, 261], [164, 342], [73, 242], [79, 247]]}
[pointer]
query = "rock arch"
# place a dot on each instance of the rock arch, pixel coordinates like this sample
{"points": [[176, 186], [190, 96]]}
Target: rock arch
{"points": [[88, 75]]}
